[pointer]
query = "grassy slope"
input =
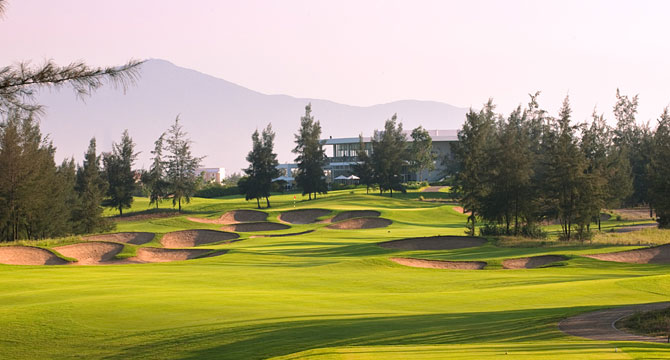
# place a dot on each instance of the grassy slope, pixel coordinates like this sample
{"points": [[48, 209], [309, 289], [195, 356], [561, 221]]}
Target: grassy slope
{"points": [[330, 294]]}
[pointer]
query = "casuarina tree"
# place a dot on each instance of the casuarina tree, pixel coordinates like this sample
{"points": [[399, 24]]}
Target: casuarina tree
{"points": [[119, 173], [311, 156]]}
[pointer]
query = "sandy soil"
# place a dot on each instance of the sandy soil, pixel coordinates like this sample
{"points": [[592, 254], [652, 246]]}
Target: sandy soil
{"points": [[28, 255], [434, 243], [189, 238], [302, 216], [531, 262], [253, 227], [134, 238], [633, 213], [651, 255], [90, 253], [459, 209], [361, 223], [440, 264], [625, 229], [282, 235], [149, 254], [600, 325], [346, 215]]}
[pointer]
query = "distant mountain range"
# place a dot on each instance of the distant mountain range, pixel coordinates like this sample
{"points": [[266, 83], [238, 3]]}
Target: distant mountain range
{"points": [[218, 115]]}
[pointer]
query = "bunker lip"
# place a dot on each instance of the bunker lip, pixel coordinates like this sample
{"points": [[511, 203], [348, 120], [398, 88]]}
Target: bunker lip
{"points": [[601, 324], [255, 227], [361, 223], [532, 261], [133, 238], [281, 235], [651, 255], [242, 216], [439, 264], [91, 253], [346, 215], [302, 216], [197, 237], [149, 254], [233, 217], [434, 243], [28, 255]]}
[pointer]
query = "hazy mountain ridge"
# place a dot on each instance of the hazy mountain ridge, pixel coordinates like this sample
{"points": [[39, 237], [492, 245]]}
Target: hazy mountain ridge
{"points": [[219, 116]]}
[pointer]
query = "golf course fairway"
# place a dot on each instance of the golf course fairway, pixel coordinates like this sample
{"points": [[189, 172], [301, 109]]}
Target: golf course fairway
{"points": [[328, 294]]}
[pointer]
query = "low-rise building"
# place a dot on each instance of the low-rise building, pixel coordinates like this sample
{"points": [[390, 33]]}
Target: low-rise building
{"points": [[344, 154], [212, 174], [345, 150]]}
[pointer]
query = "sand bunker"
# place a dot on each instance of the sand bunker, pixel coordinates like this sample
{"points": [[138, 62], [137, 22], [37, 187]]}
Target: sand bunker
{"points": [[460, 210], [241, 216], [189, 238], [361, 223], [652, 255], [282, 235], [531, 262], [166, 255], [134, 238], [434, 243], [440, 264], [353, 214], [90, 253], [28, 255], [234, 217], [253, 227], [303, 216]]}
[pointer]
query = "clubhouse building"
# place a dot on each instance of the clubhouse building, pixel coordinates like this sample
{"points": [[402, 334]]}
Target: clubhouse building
{"points": [[344, 151]]}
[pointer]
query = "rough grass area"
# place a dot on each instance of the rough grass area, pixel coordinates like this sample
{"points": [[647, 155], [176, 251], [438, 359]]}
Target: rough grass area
{"points": [[327, 294], [651, 323]]}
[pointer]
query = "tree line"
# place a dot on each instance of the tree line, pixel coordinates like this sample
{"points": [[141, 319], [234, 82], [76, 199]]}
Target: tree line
{"points": [[41, 199], [391, 155], [514, 172], [382, 167]]}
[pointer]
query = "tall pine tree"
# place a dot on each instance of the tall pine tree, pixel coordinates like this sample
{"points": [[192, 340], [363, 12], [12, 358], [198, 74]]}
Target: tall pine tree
{"points": [[91, 187], [180, 165], [311, 156], [118, 167]]}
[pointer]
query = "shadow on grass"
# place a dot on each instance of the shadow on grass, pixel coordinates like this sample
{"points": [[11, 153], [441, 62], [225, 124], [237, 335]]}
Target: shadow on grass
{"points": [[259, 341]]}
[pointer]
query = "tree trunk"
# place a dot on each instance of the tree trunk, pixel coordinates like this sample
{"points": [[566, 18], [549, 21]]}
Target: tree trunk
{"points": [[120, 211], [310, 196], [258, 202], [267, 198], [391, 191], [179, 204]]}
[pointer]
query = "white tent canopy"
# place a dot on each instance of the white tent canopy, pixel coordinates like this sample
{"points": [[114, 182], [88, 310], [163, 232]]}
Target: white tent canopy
{"points": [[341, 177], [284, 178], [353, 177]]}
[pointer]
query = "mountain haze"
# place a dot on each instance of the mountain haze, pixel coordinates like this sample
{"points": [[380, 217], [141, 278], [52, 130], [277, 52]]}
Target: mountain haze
{"points": [[218, 115]]}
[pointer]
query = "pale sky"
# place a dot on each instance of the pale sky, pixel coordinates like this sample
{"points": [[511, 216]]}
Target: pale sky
{"points": [[369, 52]]}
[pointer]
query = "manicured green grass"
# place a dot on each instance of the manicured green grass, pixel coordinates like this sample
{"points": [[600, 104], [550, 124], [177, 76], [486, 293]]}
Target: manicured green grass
{"points": [[330, 294]]}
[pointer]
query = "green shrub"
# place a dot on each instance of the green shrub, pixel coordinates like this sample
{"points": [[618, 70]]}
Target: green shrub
{"points": [[415, 185], [654, 323]]}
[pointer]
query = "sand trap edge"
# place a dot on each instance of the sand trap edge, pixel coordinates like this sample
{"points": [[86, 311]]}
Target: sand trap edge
{"points": [[439, 264]]}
